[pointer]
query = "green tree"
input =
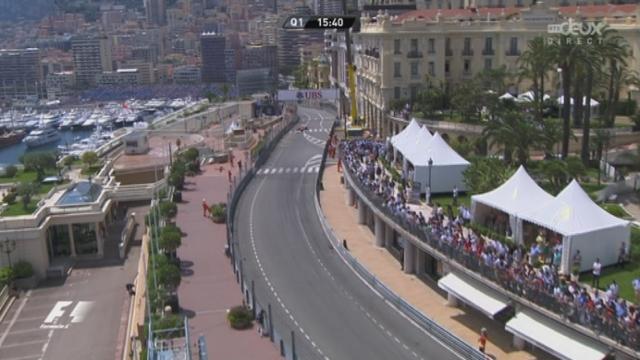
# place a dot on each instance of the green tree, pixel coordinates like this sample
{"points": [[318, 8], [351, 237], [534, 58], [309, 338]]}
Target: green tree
{"points": [[39, 162], [555, 172], [27, 190], [534, 64], [564, 50], [89, 158], [485, 174], [494, 80], [225, 92], [514, 133], [168, 274], [170, 240], [467, 101], [430, 100], [11, 171]]}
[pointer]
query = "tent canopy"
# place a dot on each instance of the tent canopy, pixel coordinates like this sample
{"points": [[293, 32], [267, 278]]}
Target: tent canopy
{"points": [[593, 102], [506, 96], [437, 150], [529, 96], [407, 131], [573, 212], [516, 196], [486, 300], [555, 338], [419, 143]]}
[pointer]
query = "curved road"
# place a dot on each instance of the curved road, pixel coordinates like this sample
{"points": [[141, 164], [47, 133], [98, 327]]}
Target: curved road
{"points": [[284, 249]]}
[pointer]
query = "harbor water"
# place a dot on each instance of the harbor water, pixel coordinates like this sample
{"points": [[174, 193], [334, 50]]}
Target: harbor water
{"points": [[11, 154]]}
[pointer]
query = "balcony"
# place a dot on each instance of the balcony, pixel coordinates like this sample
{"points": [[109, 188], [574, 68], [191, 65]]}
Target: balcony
{"points": [[488, 52], [373, 52], [414, 54], [448, 52], [512, 52], [431, 51], [467, 52]]}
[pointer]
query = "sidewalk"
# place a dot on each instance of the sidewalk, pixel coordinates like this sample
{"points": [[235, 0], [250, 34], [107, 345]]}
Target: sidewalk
{"points": [[462, 321], [209, 285]]}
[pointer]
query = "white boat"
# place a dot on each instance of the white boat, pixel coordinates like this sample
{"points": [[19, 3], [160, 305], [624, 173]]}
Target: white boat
{"points": [[105, 120], [50, 119], [41, 136]]}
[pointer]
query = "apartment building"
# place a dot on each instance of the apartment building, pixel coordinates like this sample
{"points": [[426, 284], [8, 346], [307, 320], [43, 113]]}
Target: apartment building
{"points": [[91, 57], [20, 74], [397, 55], [212, 48], [60, 84], [119, 78]]}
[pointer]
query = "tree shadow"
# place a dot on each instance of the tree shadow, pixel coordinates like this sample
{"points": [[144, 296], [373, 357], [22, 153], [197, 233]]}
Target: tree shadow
{"points": [[186, 272], [188, 313], [186, 264]]}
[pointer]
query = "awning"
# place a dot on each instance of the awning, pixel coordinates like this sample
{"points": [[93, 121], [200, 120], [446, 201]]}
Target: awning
{"points": [[487, 301], [556, 339]]}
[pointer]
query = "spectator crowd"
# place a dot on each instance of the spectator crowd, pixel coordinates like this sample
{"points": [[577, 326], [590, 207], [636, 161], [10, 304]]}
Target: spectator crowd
{"points": [[533, 272]]}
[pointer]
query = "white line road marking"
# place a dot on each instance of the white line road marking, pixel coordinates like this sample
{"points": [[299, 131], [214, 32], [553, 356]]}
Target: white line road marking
{"points": [[15, 317], [310, 170], [80, 311], [23, 343], [259, 172], [280, 171], [57, 312], [295, 170], [288, 170], [46, 344], [28, 357]]}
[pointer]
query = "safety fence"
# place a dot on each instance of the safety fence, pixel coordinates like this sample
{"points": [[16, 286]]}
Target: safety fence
{"points": [[272, 321], [529, 294], [442, 335]]}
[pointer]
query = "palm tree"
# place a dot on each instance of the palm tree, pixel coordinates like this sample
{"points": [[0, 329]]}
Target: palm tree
{"points": [[616, 52], [564, 49], [534, 64], [515, 133]]}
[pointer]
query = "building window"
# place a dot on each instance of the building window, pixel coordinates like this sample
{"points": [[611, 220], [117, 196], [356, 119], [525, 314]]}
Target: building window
{"points": [[466, 51], [446, 67], [396, 70], [432, 46], [396, 92], [414, 69], [414, 45], [59, 241], [488, 46], [447, 47], [85, 238], [519, 3], [432, 68], [396, 46], [513, 47], [461, 4], [467, 66], [413, 91], [487, 64]]}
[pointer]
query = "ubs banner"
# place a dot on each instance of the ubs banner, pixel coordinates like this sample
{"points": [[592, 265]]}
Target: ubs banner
{"points": [[307, 94]]}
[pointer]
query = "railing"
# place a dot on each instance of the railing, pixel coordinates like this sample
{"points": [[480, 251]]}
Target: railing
{"points": [[443, 125], [453, 342], [488, 52], [274, 324], [525, 293], [4, 298], [512, 53], [467, 52], [414, 54], [126, 235]]}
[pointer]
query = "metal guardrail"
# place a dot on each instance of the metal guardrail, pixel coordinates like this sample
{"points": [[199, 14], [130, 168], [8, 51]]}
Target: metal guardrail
{"points": [[459, 346], [281, 336], [524, 294], [4, 296]]}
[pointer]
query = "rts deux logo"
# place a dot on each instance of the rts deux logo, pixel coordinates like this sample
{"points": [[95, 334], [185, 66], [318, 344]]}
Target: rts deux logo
{"points": [[574, 28]]}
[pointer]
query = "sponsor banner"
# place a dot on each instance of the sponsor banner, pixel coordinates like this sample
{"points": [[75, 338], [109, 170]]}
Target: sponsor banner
{"points": [[307, 94]]}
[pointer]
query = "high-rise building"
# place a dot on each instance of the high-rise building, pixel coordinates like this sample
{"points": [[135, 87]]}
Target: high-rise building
{"points": [[260, 56], [156, 12], [91, 56], [212, 50], [290, 41], [327, 7], [20, 74]]}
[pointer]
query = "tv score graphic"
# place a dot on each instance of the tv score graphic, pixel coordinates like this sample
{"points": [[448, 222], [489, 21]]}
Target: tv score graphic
{"points": [[318, 22]]}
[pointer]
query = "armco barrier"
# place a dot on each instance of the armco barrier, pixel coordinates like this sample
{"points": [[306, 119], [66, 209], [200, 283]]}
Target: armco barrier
{"points": [[442, 335], [282, 337]]}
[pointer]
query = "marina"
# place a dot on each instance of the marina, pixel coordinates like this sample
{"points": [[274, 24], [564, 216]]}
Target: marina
{"points": [[72, 131]]}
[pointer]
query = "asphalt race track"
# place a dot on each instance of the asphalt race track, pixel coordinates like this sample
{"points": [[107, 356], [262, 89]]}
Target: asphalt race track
{"points": [[333, 314]]}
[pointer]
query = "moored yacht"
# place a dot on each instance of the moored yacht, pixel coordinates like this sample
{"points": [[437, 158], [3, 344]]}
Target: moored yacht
{"points": [[41, 136]]}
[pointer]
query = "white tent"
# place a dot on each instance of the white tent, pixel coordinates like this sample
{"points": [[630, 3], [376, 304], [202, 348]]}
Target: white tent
{"points": [[593, 102], [446, 169], [529, 96], [415, 144], [402, 140], [506, 96], [518, 196], [584, 226]]}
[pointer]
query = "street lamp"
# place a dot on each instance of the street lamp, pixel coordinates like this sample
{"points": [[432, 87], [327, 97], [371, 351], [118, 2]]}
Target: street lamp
{"points": [[8, 246], [430, 163]]}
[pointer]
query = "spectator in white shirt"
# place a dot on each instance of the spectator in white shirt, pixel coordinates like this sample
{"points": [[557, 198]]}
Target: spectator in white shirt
{"points": [[636, 288], [596, 272]]}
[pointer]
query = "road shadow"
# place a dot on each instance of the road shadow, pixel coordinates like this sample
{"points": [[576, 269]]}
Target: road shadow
{"points": [[186, 272]]}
